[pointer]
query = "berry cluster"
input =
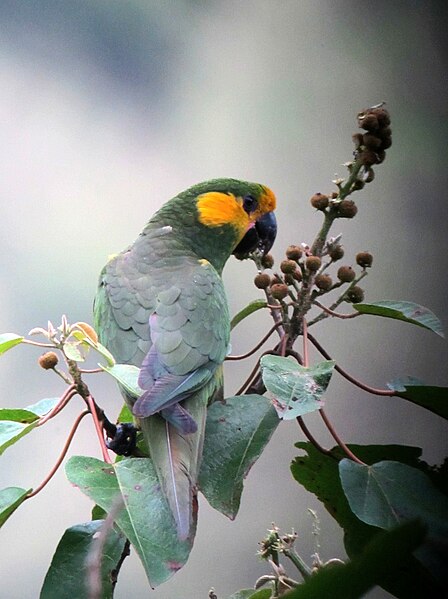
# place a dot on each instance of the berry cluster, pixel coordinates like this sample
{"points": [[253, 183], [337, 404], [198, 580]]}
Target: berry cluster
{"points": [[300, 271], [371, 146]]}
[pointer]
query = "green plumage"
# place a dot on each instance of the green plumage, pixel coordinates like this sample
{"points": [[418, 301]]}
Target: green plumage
{"points": [[161, 306]]}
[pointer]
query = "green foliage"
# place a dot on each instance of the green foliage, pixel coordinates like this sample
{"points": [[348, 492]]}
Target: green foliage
{"points": [[14, 424], [72, 557], [145, 519], [247, 311], [297, 390], [430, 397], [8, 341], [237, 431], [127, 376], [10, 499], [407, 311]]}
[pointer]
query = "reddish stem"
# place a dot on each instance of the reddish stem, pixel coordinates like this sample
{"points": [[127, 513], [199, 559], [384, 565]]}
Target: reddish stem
{"points": [[338, 440], [65, 398], [310, 437], [336, 314], [257, 347], [98, 427], [349, 377], [61, 457]]}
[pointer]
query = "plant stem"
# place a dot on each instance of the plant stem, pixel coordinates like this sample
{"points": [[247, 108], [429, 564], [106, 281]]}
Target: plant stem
{"points": [[61, 457], [321, 237], [299, 563], [336, 314], [338, 439], [257, 347]]}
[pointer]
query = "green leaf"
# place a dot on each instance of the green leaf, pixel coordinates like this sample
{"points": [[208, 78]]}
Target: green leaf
{"points": [[388, 493], [407, 311], [11, 430], [10, 499], [63, 580], [430, 397], [296, 390], [127, 376], [252, 594], [9, 340], [247, 311], [73, 352], [146, 518], [236, 433], [319, 474], [17, 415], [381, 560]]}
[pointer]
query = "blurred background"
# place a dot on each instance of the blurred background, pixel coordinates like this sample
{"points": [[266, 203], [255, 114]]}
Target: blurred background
{"points": [[108, 109]]}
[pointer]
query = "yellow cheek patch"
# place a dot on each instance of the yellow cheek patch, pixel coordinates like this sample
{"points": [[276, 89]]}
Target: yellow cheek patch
{"points": [[216, 209]]}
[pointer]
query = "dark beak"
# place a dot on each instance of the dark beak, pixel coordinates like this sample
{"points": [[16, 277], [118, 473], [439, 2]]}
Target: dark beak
{"points": [[261, 237]]}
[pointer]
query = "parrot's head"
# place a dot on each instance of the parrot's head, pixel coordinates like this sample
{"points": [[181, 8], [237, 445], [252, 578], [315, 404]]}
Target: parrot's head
{"points": [[221, 217], [233, 217]]}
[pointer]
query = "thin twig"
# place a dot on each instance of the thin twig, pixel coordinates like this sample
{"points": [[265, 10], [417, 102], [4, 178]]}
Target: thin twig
{"points": [[336, 314], [338, 439], [305, 343], [61, 457], [257, 347], [98, 427], [65, 398], [91, 371], [349, 377], [310, 437]]}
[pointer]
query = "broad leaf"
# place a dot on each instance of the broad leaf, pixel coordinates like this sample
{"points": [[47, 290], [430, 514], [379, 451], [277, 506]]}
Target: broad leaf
{"points": [[236, 433], [9, 340], [319, 474], [296, 390], [247, 311], [146, 518], [127, 376], [10, 499], [382, 559], [63, 580], [388, 493], [407, 311], [430, 397], [17, 415], [73, 351], [11, 430]]}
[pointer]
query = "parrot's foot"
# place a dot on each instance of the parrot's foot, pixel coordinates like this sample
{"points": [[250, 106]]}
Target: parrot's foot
{"points": [[124, 440]]}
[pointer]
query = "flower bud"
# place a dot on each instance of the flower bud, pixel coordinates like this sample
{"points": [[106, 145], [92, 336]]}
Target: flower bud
{"points": [[319, 201], [336, 253], [294, 252], [313, 263], [347, 209], [262, 280], [267, 261], [323, 282], [346, 274], [48, 360], [279, 291], [288, 266], [355, 295], [364, 259]]}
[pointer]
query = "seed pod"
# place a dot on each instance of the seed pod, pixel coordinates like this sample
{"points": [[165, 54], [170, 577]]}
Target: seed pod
{"points": [[368, 121], [294, 252], [370, 175], [48, 360], [355, 295], [370, 141], [267, 261], [336, 253], [367, 157], [323, 282], [262, 280], [319, 201], [357, 139], [279, 291], [347, 209], [364, 259], [313, 263], [346, 274], [288, 266]]}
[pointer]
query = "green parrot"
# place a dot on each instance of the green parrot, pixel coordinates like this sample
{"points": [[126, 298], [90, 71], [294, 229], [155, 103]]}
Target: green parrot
{"points": [[161, 306]]}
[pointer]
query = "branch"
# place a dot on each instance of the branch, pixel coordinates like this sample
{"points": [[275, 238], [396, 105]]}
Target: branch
{"points": [[61, 457]]}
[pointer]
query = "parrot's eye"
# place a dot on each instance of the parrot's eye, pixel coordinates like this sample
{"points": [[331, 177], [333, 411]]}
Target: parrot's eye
{"points": [[249, 203]]}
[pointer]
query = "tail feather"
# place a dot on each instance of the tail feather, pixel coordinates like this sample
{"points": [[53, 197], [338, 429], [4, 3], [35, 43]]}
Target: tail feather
{"points": [[176, 457]]}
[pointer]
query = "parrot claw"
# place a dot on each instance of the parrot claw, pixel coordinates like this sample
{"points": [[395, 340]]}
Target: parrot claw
{"points": [[124, 440]]}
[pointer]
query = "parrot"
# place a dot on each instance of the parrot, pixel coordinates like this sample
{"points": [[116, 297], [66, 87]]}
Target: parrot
{"points": [[161, 306]]}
